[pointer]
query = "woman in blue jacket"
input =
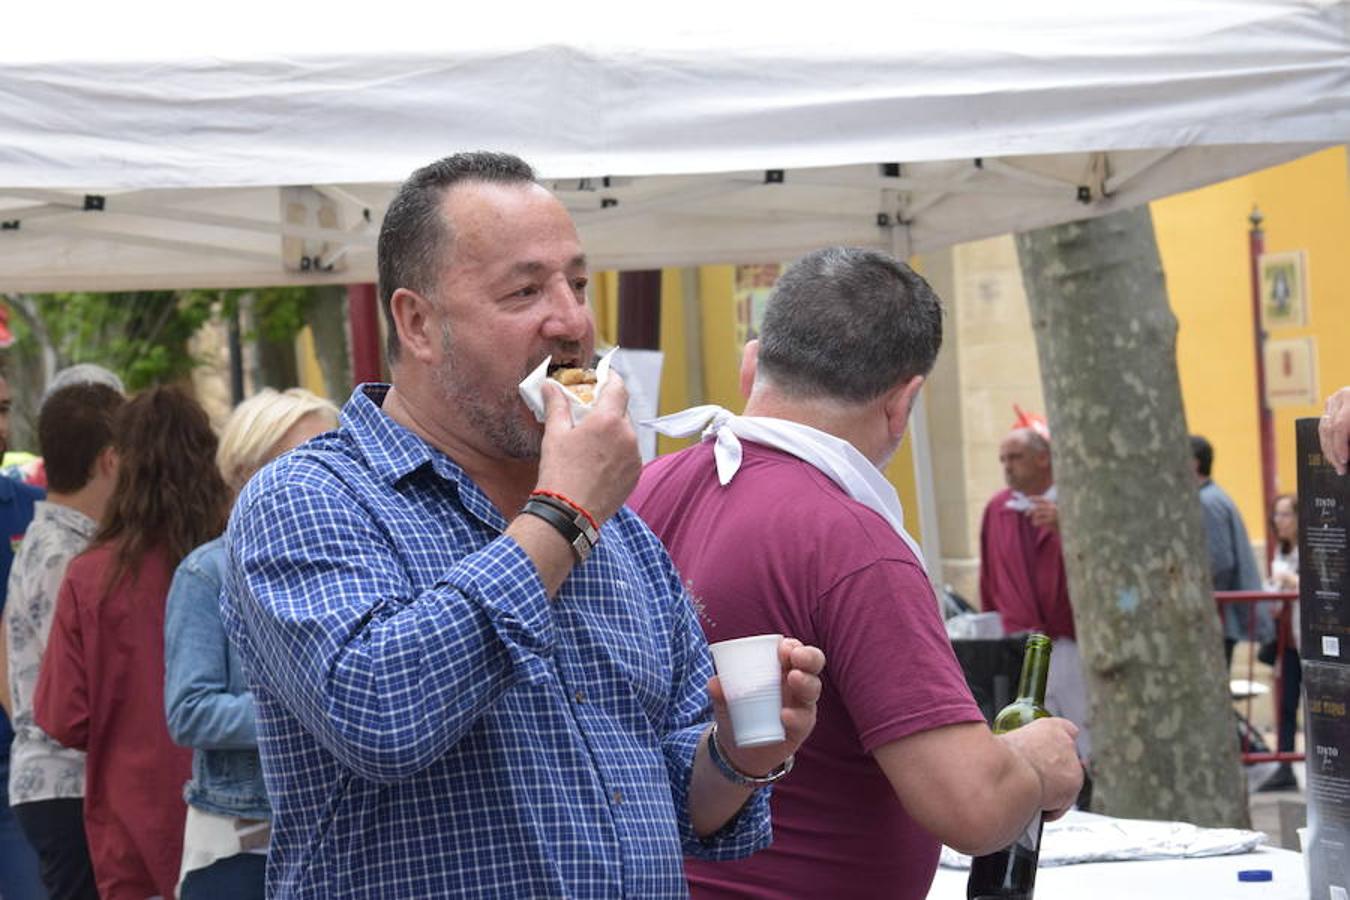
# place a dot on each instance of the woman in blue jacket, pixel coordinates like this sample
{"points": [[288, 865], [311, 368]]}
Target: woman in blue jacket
{"points": [[207, 701]]}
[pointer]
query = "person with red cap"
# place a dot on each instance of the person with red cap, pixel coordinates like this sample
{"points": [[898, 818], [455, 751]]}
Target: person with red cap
{"points": [[1022, 563]]}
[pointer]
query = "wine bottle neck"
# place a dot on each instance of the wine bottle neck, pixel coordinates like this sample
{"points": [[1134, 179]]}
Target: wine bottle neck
{"points": [[1035, 670]]}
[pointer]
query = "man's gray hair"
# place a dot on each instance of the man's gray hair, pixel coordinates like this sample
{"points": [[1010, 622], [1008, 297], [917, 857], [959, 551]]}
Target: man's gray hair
{"points": [[83, 373], [1035, 441], [849, 324], [415, 233]]}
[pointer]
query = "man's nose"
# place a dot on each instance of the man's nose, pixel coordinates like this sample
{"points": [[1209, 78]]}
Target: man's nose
{"points": [[569, 316]]}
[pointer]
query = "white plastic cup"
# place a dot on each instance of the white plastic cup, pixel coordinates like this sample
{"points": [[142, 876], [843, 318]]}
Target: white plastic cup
{"points": [[752, 681]]}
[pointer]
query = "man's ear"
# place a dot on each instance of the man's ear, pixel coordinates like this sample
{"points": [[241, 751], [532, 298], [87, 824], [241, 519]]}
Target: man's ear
{"points": [[898, 403], [414, 319], [749, 366], [105, 464]]}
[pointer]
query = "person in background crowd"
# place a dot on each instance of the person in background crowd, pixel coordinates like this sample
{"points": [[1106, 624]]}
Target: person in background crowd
{"points": [[84, 373], [31, 469], [1022, 565], [101, 687], [781, 521], [1284, 577], [208, 705], [46, 784], [20, 878], [1231, 561], [465, 683], [1333, 431]]}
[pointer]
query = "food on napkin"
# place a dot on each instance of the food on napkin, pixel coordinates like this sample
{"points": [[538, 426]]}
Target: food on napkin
{"points": [[583, 386], [581, 382]]}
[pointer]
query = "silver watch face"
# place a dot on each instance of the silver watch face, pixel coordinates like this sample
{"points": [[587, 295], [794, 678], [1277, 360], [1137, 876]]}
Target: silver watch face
{"points": [[582, 547]]}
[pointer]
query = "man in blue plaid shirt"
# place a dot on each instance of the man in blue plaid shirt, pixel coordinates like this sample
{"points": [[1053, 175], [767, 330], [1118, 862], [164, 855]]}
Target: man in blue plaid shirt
{"points": [[461, 688]]}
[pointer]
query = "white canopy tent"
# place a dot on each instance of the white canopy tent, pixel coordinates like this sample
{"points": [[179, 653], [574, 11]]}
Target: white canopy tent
{"points": [[148, 145]]}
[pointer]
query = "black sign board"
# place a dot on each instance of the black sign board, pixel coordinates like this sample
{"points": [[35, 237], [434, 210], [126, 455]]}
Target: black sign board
{"points": [[1323, 552], [1327, 723]]}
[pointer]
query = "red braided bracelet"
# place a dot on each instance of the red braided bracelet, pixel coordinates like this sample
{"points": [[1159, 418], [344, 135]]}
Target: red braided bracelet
{"points": [[581, 510]]}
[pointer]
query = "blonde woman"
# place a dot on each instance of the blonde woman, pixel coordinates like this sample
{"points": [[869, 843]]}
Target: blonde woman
{"points": [[208, 705]]}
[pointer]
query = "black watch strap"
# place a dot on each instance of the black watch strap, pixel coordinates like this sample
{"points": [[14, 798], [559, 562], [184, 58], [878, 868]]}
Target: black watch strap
{"points": [[581, 543], [577, 518]]}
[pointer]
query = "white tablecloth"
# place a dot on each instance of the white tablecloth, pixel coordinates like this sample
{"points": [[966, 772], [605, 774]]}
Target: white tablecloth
{"points": [[1208, 878]]}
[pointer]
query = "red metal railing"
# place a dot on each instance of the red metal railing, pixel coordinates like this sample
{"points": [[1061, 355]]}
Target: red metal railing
{"points": [[1284, 625]]}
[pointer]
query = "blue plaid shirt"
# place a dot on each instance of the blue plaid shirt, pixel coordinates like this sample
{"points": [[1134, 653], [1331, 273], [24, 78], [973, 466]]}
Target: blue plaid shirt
{"points": [[430, 723]]}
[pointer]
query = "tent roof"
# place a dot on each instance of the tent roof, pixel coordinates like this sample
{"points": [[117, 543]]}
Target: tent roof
{"points": [[170, 155]]}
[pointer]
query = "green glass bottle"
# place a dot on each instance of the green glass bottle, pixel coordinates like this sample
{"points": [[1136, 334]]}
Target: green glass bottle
{"points": [[1010, 873]]}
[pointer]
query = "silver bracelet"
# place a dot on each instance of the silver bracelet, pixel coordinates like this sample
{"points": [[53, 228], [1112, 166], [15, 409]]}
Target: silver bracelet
{"points": [[735, 775]]}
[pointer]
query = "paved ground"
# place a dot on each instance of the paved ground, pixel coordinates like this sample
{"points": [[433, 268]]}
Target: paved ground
{"points": [[1259, 710], [1266, 812]]}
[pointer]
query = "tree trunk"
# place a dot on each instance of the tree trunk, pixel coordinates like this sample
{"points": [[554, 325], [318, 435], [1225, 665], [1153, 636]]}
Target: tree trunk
{"points": [[1164, 739], [328, 320], [29, 369]]}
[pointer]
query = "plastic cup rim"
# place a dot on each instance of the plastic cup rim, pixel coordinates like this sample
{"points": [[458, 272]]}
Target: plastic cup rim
{"points": [[745, 640]]}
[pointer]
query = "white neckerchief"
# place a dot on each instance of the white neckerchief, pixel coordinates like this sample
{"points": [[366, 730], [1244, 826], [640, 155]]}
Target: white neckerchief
{"points": [[839, 460], [1020, 502]]}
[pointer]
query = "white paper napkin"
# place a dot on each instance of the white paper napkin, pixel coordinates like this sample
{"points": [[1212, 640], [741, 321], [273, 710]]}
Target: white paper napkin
{"points": [[532, 389], [1082, 837]]}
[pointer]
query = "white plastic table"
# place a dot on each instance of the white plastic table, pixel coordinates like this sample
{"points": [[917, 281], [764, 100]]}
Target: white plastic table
{"points": [[1207, 878]]}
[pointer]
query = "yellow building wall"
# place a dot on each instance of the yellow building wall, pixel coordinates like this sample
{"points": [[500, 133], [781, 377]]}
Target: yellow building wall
{"points": [[721, 351], [307, 362], [1202, 238], [900, 473], [605, 305], [674, 346]]}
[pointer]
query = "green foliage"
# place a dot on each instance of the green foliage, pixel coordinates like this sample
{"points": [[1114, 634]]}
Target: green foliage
{"points": [[143, 335], [278, 313]]}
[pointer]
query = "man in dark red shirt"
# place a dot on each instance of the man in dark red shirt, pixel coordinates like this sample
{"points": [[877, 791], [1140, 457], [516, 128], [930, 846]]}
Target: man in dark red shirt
{"points": [[1022, 564], [781, 521], [1021, 560]]}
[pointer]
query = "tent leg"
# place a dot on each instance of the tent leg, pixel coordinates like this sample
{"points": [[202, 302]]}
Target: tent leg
{"points": [[364, 317], [922, 453], [640, 310], [236, 345]]}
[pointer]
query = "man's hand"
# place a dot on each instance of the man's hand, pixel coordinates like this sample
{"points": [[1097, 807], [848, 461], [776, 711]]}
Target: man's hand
{"points": [[1043, 513], [802, 666], [1048, 745], [975, 791], [595, 463], [1334, 430], [713, 800]]}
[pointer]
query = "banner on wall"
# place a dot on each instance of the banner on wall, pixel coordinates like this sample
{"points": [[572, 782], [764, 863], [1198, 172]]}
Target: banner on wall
{"points": [[1284, 289], [1291, 372]]}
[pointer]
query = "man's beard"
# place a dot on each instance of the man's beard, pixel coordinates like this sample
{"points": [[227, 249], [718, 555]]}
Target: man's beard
{"points": [[497, 418]]}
